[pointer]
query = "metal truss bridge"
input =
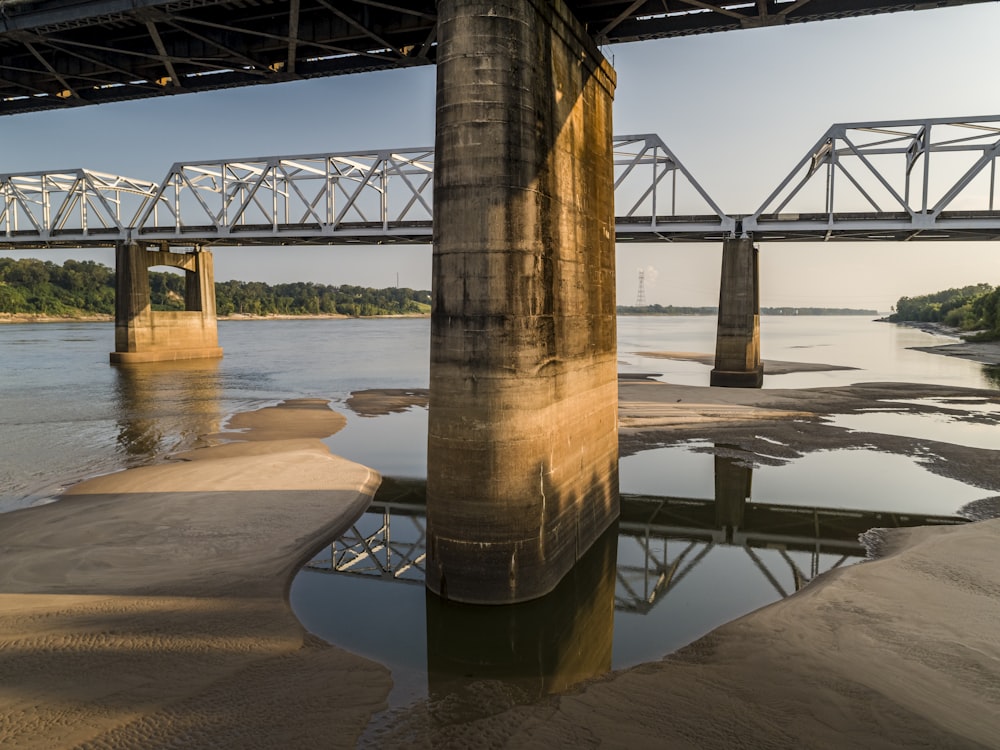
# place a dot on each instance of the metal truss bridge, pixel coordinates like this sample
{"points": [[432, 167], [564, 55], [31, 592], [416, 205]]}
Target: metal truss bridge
{"points": [[933, 179], [60, 54], [661, 541]]}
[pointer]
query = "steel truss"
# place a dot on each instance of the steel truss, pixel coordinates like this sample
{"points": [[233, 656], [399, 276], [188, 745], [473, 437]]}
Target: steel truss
{"points": [[640, 587], [355, 197], [386, 197], [909, 180], [69, 208], [657, 199], [931, 179], [377, 553]]}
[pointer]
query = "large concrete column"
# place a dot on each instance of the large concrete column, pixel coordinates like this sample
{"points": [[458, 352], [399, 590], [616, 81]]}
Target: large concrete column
{"points": [[737, 343], [522, 471], [142, 335]]}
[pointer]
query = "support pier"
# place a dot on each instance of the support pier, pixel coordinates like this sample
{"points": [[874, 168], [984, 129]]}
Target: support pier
{"points": [[145, 335], [522, 472], [737, 343]]}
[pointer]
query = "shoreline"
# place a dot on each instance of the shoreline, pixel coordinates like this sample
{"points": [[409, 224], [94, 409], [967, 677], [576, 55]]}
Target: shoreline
{"points": [[18, 318]]}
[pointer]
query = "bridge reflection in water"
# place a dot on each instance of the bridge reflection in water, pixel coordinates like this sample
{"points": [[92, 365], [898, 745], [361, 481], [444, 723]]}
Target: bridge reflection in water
{"points": [[660, 542]]}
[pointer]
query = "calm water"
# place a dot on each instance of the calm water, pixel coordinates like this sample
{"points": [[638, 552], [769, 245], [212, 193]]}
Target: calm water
{"points": [[66, 414]]}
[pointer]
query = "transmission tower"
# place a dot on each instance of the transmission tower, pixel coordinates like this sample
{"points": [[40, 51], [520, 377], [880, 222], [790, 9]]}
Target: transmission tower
{"points": [[640, 297]]}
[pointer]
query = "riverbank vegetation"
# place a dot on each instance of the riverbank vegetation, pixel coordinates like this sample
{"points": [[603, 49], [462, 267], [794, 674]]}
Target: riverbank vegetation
{"points": [[969, 308], [83, 288]]}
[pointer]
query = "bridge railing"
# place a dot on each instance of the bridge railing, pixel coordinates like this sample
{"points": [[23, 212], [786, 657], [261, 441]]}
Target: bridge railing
{"points": [[899, 180], [69, 207], [379, 195]]}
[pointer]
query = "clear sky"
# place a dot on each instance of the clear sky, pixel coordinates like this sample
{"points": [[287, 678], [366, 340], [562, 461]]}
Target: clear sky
{"points": [[738, 108]]}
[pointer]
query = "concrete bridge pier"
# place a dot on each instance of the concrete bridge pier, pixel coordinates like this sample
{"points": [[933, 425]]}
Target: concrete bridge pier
{"points": [[737, 343], [145, 335], [522, 472]]}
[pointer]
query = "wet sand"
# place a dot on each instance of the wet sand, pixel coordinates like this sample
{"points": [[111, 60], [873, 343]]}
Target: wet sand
{"points": [[771, 366], [984, 352], [149, 609]]}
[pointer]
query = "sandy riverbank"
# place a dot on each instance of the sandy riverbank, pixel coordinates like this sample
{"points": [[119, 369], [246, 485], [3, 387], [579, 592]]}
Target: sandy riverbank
{"points": [[139, 618], [148, 608], [40, 318]]}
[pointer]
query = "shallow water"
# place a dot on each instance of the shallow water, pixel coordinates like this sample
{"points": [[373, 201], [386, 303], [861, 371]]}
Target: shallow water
{"points": [[686, 559]]}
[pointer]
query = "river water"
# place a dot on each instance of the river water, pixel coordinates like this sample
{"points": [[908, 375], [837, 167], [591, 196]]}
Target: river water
{"points": [[66, 414]]}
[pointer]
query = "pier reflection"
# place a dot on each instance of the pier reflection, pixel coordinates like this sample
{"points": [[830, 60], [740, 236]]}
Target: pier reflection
{"points": [[676, 568], [542, 646], [166, 406]]}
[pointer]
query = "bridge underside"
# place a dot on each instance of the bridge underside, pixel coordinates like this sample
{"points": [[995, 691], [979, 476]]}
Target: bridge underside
{"points": [[55, 54]]}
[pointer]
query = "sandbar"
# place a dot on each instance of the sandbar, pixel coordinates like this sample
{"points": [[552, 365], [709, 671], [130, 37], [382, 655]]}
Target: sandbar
{"points": [[771, 366], [148, 608]]}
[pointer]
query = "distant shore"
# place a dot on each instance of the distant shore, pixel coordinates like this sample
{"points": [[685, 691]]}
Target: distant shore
{"points": [[14, 318]]}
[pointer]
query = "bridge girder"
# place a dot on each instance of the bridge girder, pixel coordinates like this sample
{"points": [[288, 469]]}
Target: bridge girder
{"points": [[55, 54]]}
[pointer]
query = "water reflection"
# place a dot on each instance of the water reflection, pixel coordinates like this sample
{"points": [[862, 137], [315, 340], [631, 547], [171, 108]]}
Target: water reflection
{"points": [[675, 568], [165, 406], [541, 646]]}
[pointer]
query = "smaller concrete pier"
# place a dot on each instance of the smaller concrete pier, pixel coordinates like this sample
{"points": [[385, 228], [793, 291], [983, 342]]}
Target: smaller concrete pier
{"points": [[737, 343], [145, 335]]}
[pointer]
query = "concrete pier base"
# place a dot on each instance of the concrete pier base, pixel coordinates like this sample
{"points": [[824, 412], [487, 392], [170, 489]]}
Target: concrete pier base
{"points": [[145, 335], [737, 343], [522, 471]]}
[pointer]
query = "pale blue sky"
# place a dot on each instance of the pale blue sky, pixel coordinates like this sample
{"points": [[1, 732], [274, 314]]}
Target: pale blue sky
{"points": [[738, 108]]}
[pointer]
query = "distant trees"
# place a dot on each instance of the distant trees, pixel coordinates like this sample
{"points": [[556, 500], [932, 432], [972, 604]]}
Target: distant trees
{"points": [[33, 286], [307, 298], [672, 310], [967, 308], [28, 285]]}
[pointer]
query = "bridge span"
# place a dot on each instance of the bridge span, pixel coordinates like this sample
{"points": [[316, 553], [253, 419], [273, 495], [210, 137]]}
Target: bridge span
{"points": [[910, 180], [523, 455]]}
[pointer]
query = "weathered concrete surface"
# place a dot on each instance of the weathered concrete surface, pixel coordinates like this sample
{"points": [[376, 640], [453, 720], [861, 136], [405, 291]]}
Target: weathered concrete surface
{"points": [[142, 335], [522, 461], [737, 343]]}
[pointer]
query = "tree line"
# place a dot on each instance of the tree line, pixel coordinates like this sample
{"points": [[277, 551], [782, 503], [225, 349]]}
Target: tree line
{"points": [[969, 308], [32, 286], [674, 310]]}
